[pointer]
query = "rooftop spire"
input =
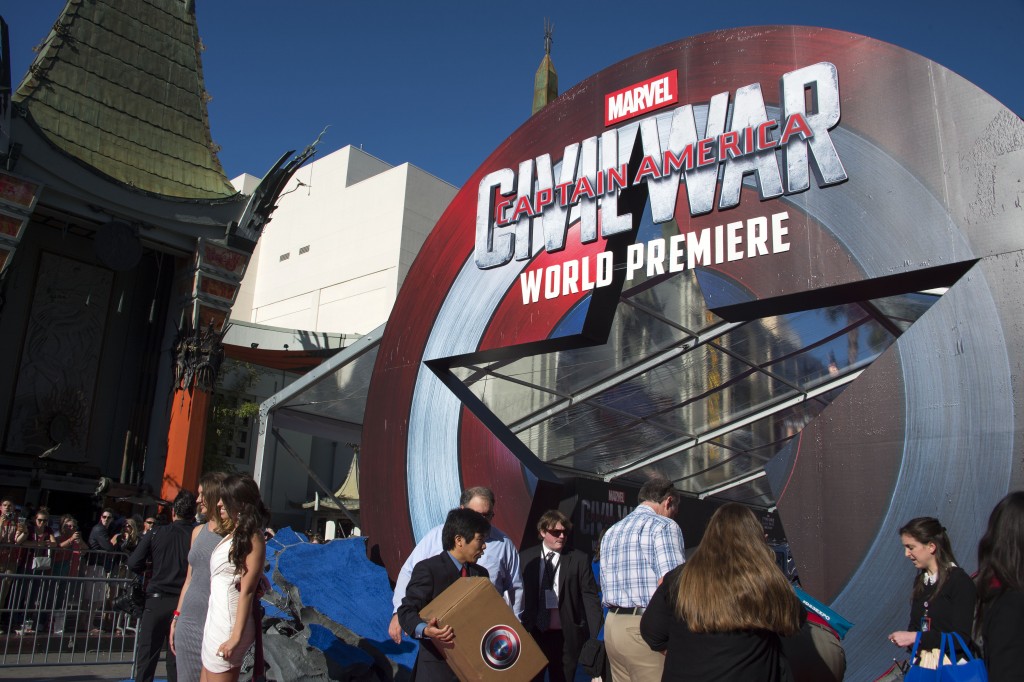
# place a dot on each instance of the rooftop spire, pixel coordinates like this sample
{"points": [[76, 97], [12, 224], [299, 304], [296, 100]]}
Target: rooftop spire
{"points": [[545, 83]]}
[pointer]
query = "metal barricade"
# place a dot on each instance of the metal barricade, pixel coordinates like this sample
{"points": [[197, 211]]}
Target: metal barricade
{"points": [[61, 611]]}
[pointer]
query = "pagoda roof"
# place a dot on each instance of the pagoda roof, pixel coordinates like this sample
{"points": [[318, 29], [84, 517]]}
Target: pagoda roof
{"points": [[119, 86]]}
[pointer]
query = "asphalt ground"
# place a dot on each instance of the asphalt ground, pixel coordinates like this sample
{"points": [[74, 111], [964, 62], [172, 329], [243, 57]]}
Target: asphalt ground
{"points": [[74, 673]]}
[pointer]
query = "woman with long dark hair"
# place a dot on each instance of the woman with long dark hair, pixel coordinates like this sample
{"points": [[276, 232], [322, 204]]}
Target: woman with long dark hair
{"points": [[943, 594], [719, 616], [38, 562], [186, 636], [1000, 617], [236, 567]]}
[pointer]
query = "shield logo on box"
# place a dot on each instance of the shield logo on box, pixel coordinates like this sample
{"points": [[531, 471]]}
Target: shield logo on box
{"points": [[500, 647]]}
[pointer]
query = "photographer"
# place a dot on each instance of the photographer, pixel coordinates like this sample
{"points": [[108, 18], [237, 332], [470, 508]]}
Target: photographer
{"points": [[70, 537], [167, 548]]}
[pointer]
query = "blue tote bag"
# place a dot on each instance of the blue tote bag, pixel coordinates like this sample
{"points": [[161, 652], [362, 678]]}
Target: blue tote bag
{"points": [[916, 673], [971, 670]]}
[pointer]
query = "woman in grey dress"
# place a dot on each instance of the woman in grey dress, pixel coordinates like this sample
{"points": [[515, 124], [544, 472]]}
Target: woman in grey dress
{"points": [[186, 636]]}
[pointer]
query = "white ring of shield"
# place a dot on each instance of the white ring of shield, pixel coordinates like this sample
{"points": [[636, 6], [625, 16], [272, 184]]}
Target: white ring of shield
{"points": [[881, 195], [515, 647]]}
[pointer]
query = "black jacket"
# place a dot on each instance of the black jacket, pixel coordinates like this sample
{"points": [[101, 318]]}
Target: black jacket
{"points": [[1003, 636], [737, 656], [579, 603], [167, 547], [951, 610], [430, 578]]}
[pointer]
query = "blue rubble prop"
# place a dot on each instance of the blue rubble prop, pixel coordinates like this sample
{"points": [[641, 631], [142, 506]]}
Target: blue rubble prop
{"points": [[329, 608], [284, 538]]}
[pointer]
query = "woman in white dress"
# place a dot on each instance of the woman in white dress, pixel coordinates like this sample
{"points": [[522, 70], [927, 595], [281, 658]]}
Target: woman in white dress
{"points": [[236, 567]]}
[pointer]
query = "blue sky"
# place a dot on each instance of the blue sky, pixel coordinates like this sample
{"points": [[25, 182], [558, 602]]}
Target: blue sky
{"points": [[441, 84]]}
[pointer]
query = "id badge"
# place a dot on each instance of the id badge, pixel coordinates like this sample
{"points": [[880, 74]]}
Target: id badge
{"points": [[926, 623], [550, 599]]}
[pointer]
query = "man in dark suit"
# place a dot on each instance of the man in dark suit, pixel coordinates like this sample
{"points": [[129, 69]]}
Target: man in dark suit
{"points": [[464, 538], [561, 606]]}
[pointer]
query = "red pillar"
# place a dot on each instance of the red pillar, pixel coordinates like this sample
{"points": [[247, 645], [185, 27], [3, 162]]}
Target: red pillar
{"points": [[186, 440]]}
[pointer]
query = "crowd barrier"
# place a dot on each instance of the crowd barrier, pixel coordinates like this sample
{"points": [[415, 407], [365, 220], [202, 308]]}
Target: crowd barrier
{"points": [[60, 610]]}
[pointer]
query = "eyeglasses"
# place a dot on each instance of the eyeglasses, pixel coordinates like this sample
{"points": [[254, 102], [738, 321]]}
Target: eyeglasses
{"points": [[556, 532]]}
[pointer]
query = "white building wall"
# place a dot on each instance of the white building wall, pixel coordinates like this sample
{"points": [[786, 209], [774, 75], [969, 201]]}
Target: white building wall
{"points": [[334, 254], [363, 222], [246, 184]]}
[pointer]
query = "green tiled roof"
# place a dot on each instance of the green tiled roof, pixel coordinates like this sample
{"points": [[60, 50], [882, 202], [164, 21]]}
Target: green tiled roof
{"points": [[118, 84]]}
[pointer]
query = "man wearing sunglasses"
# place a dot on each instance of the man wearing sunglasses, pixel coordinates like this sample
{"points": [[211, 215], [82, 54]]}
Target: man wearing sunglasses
{"points": [[501, 558], [99, 536], [561, 606], [100, 560]]}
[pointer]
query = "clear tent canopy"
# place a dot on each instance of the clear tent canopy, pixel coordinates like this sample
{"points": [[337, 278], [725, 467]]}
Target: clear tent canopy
{"points": [[675, 390]]}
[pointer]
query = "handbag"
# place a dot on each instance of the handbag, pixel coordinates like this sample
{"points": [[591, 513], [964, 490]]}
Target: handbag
{"points": [[42, 563], [971, 670]]}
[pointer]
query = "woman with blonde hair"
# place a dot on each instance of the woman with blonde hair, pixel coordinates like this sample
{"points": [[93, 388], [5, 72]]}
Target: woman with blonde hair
{"points": [[719, 616], [236, 569], [186, 637], [129, 537]]}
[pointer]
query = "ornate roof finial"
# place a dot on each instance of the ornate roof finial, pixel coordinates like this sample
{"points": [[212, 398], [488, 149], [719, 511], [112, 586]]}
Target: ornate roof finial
{"points": [[545, 83]]}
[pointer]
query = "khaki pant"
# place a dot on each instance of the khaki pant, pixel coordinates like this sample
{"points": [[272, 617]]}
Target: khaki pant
{"points": [[630, 658]]}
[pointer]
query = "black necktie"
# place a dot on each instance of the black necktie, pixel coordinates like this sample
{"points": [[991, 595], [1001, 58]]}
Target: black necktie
{"points": [[547, 582]]}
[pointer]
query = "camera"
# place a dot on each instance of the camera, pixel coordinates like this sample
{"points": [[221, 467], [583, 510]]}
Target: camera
{"points": [[132, 602]]}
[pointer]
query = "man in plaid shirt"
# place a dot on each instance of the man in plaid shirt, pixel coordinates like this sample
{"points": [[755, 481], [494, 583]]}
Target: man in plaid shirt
{"points": [[636, 553]]}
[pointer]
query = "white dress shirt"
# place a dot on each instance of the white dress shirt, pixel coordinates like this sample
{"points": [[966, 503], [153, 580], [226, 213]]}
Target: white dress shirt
{"points": [[501, 559]]}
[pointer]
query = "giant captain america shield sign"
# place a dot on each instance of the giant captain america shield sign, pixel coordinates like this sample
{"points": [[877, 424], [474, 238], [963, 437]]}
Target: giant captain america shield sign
{"points": [[799, 166]]}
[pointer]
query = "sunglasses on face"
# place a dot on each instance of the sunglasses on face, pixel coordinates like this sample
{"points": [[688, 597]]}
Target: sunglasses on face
{"points": [[555, 532], [42, 520]]}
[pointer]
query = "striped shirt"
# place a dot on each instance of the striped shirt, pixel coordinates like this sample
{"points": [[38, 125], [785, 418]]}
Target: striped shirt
{"points": [[635, 553]]}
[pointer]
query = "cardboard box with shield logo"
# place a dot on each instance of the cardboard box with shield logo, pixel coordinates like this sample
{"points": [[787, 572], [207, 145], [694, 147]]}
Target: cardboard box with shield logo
{"points": [[490, 642]]}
